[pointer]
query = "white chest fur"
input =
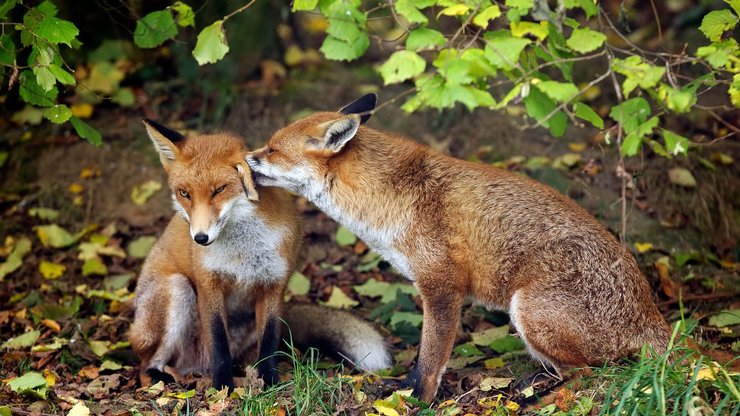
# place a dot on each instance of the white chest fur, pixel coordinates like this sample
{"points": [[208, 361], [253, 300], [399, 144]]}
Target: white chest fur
{"points": [[381, 238], [248, 249]]}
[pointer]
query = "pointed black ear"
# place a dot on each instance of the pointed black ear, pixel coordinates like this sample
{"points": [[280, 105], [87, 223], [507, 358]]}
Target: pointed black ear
{"points": [[363, 106], [168, 133]]}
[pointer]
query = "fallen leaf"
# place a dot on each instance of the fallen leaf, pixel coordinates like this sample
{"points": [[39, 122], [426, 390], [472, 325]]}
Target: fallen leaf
{"points": [[486, 337], [565, 399], [50, 377], [110, 365], [577, 147], [141, 193], [493, 363], [82, 110], [667, 285], [140, 247], [412, 318], [506, 344], [94, 266], [15, 258], [345, 237], [46, 214], [79, 409], [31, 382], [88, 173], [298, 284], [459, 363], [490, 383], [725, 318], [51, 324], [681, 177], [90, 372], [51, 270], [100, 348], [643, 247], [21, 341], [338, 299], [75, 188], [103, 385], [55, 236]]}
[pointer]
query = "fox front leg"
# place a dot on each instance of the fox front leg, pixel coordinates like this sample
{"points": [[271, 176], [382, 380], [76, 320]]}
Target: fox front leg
{"points": [[213, 314], [267, 315], [442, 308]]}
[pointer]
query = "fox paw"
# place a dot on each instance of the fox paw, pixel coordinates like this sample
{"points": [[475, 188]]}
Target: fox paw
{"points": [[157, 375]]}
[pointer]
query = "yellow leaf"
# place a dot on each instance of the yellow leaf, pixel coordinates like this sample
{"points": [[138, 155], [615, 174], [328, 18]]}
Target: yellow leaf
{"points": [[577, 147], [293, 56], [77, 201], [340, 300], [643, 247], [51, 270], [141, 193], [454, 10], [88, 173], [591, 93], [79, 409], [385, 408], [512, 406], [51, 378], [75, 188], [521, 29], [82, 110], [51, 324]]}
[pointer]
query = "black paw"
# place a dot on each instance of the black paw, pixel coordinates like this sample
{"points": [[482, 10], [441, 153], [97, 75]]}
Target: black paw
{"points": [[157, 376], [223, 378]]}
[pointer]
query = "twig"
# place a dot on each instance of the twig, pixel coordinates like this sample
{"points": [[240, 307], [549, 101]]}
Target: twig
{"points": [[239, 10], [710, 296]]}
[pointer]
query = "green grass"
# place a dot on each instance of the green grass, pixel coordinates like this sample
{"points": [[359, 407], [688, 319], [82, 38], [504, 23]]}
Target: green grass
{"points": [[311, 391], [675, 383]]}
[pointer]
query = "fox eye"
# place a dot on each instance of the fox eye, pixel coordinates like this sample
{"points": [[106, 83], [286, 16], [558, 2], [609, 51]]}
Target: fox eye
{"points": [[219, 189], [184, 194], [270, 150]]}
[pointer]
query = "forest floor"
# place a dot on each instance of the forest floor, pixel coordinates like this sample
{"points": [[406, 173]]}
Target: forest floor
{"points": [[77, 222]]}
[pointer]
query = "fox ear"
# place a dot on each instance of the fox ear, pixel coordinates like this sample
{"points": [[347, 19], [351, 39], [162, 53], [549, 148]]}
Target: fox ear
{"points": [[164, 140], [246, 175], [363, 106], [338, 132]]}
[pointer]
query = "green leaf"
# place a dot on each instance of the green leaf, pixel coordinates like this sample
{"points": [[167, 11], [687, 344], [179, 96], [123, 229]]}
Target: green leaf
{"points": [[506, 344], [558, 91], [185, 16], [61, 75], [717, 22], [338, 299], [58, 114], [7, 50], [633, 141], [588, 6], [719, 54], [412, 318], [539, 106], [21, 341], [124, 97], [675, 143], [298, 284], [51, 270], [735, 4], [338, 50], [15, 258], [6, 6], [456, 9], [423, 38], [56, 30], [345, 237], [304, 5], [211, 45], [631, 113], [29, 381], [410, 12], [32, 93], [734, 90], [44, 78], [487, 336], [372, 288], [725, 318], [680, 101], [637, 73], [344, 29], [94, 266], [140, 247], [585, 40], [154, 29], [467, 349], [502, 50], [584, 112], [46, 214], [86, 132], [54, 236], [402, 65], [486, 15]]}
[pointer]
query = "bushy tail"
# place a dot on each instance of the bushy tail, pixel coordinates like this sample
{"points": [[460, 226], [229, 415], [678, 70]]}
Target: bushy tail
{"points": [[336, 331]]}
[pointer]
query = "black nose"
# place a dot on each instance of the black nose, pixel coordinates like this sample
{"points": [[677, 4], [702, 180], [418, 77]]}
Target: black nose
{"points": [[201, 238]]}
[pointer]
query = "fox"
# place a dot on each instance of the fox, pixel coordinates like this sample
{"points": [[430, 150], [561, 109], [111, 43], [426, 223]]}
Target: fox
{"points": [[210, 292], [461, 230]]}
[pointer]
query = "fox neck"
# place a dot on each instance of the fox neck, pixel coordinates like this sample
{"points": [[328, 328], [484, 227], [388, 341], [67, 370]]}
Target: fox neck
{"points": [[359, 192]]}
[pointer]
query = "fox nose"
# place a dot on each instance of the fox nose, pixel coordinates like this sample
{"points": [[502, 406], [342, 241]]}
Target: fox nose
{"points": [[252, 161], [201, 238]]}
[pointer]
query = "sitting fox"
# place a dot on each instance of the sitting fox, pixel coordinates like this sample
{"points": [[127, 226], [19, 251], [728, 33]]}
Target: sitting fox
{"points": [[459, 229], [211, 290]]}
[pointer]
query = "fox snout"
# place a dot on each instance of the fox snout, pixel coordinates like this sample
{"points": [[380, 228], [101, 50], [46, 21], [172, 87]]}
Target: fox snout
{"points": [[201, 238]]}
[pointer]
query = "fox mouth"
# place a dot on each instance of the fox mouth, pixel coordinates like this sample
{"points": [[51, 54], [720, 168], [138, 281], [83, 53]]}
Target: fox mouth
{"points": [[257, 176]]}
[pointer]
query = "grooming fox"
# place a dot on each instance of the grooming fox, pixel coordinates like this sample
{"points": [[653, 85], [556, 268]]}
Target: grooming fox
{"points": [[574, 293], [210, 292]]}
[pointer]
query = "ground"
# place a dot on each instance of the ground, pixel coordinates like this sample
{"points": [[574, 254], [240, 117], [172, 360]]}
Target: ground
{"points": [[66, 306]]}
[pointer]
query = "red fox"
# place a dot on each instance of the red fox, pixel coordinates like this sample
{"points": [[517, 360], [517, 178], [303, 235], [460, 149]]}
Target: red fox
{"points": [[211, 290], [459, 229]]}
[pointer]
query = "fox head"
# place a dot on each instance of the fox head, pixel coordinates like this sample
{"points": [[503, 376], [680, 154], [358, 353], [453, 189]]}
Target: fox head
{"points": [[298, 156], [208, 177]]}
